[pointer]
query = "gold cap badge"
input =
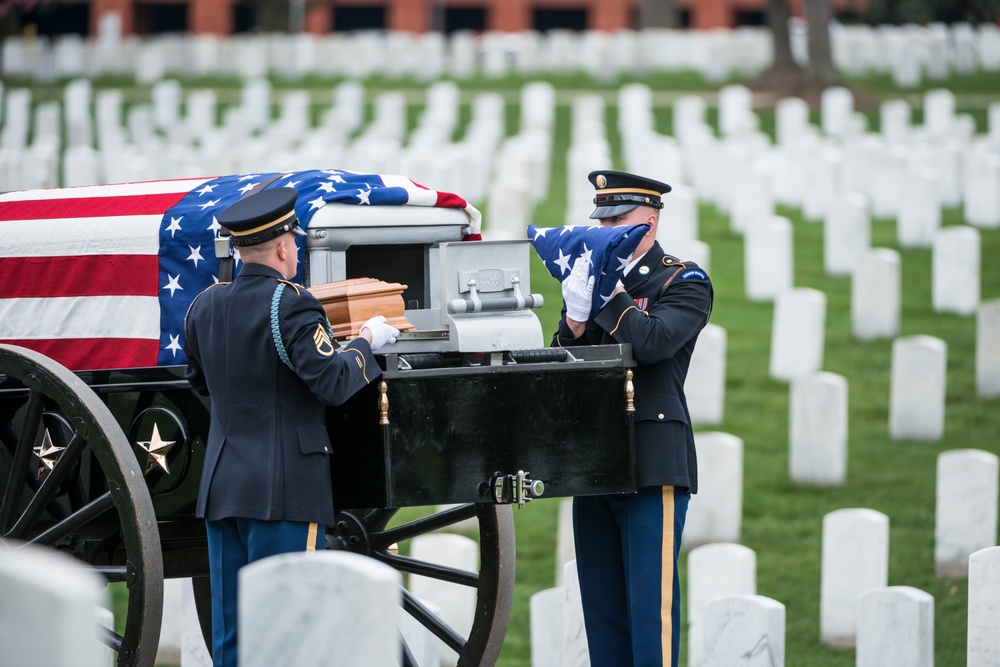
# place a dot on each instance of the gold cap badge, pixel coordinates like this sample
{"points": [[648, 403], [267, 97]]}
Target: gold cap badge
{"points": [[600, 181]]}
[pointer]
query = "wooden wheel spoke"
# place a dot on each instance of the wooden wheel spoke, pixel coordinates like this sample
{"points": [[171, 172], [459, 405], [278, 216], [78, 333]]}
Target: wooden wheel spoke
{"points": [[428, 524], [432, 570], [437, 627], [19, 466], [49, 487], [75, 521]]}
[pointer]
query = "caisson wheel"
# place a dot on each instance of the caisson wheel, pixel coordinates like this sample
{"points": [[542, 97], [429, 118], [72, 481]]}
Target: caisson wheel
{"points": [[369, 532], [69, 480]]}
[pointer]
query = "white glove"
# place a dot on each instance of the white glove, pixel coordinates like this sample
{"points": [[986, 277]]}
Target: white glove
{"points": [[578, 291], [382, 333]]}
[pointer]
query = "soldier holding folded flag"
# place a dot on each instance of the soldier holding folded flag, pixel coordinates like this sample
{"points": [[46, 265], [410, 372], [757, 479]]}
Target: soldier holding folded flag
{"points": [[627, 546]]}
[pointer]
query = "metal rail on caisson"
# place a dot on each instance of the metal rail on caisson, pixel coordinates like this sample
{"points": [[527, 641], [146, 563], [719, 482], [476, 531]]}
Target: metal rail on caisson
{"points": [[472, 415]]}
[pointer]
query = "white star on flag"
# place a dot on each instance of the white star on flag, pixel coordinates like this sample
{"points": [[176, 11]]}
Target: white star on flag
{"points": [[247, 188], [195, 255], [215, 226], [174, 226], [206, 189], [173, 284], [292, 184], [247, 177], [316, 203], [209, 204], [363, 196], [327, 186], [563, 261], [175, 344]]}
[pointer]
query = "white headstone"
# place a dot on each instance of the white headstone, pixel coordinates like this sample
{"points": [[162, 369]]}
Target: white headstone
{"points": [[735, 113], [715, 513], [982, 189], [194, 652], [767, 256], [855, 560], [939, 111], [875, 295], [565, 547], [303, 608], [791, 120], [988, 349], [798, 333], [836, 109], [575, 653], [81, 166], [895, 628], [955, 269], [746, 630], [705, 385], [50, 601], [917, 393], [169, 649], [715, 570], [919, 209], [846, 234], [966, 508], [107, 619], [457, 602], [984, 613], [818, 429], [166, 98], [753, 203], [679, 218], [546, 611], [894, 120]]}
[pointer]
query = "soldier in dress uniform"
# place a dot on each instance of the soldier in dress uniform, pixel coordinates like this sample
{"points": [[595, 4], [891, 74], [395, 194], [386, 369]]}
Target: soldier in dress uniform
{"points": [[261, 348], [627, 545]]}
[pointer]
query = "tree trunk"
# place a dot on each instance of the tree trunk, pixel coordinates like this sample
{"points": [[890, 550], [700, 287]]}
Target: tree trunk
{"points": [[778, 14], [820, 72], [659, 14]]}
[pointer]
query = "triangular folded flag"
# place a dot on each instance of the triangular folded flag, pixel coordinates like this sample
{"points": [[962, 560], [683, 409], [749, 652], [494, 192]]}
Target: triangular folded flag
{"points": [[608, 249]]}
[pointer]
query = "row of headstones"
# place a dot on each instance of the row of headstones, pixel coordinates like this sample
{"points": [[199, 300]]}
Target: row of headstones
{"points": [[157, 141], [909, 53], [428, 56], [905, 171], [896, 622], [918, 365]]}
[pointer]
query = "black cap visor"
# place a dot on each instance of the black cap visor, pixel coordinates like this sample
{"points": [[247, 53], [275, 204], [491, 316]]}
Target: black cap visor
{"points": [[605, 211]]}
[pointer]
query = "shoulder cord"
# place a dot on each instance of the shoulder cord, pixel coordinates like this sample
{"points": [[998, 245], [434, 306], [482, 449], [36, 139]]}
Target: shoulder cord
{"points": [[276, 327], [279, 344]]}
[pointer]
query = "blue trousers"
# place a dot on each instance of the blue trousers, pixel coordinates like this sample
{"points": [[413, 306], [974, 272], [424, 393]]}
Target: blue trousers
{"points": [[233, 543], [626, 556]]}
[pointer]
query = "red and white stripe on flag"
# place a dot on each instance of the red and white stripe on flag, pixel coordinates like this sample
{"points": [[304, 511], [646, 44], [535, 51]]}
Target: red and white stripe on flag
{"points": [[79, 271]]}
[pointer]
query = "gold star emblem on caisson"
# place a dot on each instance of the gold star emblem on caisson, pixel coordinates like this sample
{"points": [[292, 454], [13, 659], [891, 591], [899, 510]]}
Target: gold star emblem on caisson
{"points": [[48, 454], [156, 450]]}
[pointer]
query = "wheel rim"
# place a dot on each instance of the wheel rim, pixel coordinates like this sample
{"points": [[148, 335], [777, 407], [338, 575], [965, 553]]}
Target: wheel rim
{"points": [[366, 532], [90, 499]]}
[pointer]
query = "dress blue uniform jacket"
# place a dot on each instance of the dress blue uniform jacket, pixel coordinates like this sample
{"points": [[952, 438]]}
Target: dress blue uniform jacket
{"points": [[268, 451], [662, 322]]}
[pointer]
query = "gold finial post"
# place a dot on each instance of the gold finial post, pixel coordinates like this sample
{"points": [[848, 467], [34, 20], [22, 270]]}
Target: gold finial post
{"points": [[629, 392], [383, 403]]}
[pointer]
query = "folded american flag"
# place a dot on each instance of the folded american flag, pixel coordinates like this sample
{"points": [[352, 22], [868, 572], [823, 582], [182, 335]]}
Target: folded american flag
{"points": [[607, 249], [101, 277]]}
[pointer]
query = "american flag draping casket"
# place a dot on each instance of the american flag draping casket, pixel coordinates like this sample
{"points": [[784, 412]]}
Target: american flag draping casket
{"points": [[101, 277]]}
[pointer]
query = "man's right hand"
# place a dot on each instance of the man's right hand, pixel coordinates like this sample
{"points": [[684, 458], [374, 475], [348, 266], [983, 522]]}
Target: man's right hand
{"points": [[578, 291], [382, 334]]}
